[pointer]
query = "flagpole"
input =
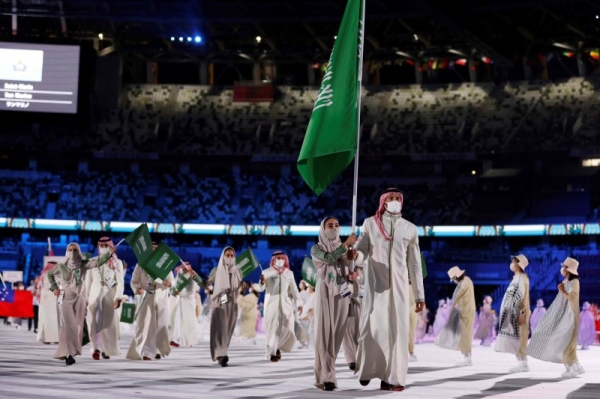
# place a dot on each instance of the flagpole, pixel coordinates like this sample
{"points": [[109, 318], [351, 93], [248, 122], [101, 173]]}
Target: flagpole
{"points": [[358, 104]]}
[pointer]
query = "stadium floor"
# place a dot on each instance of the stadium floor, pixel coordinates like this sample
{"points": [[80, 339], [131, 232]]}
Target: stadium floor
{"points": [[27, 370]]}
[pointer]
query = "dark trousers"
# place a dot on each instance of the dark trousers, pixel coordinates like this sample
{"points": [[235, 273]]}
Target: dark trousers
{"points": [[35, 318]]}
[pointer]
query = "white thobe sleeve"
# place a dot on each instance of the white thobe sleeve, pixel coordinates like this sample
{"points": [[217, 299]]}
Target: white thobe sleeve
{"points": [[293, 290], [364, 244], [415, 271], [120, 275], [88, 284], [136, 279]]}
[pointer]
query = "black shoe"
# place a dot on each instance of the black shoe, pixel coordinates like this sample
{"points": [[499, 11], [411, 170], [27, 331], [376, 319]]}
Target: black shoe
{"points": [[157, 357], [70, 360], [329, 386], [104, 356], [364, 383], [278, 354], [389, 387], [274, 359], [35, 331], [352, 366], [224, 360]]}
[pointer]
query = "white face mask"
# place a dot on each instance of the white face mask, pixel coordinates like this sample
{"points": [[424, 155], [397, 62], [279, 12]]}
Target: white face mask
{"points": [[228, 261], [513, 267], [394, 207], [563, 271], [279, 263], [103, 251], [332, 234]]}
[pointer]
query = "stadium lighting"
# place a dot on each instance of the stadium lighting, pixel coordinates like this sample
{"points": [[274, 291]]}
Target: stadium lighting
{"points": [[335, 37], [473, 172], [416, 37], [100, 36], [180, 38], [197, 39], [258, 39], [189, 39], [562, 45], [172, 38]]}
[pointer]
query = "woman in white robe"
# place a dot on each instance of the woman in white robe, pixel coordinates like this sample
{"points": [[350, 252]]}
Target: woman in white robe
{"points": [[183, 316], [248, 305], [441, 317], [555, 338], [486, 322], [48, 310], [391, 246], [513, 331], [281, 298], [332, 302], [537, 315]]}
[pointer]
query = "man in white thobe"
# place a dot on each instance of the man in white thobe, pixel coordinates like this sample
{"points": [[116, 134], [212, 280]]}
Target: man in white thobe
{"points": [[104, 287], [391, 246]]}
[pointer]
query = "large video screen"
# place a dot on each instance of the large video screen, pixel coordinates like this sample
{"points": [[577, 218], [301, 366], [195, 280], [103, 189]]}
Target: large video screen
{"points": [[39, 77]]}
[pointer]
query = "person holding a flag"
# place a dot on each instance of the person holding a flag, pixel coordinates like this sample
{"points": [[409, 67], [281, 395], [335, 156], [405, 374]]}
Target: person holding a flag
{"points": [[48, 311], [72, 299], [226, 279], [282, 294], [183, 313], [151, 337], [331, 257], [104, 287], [391, 246], [248, 305]]}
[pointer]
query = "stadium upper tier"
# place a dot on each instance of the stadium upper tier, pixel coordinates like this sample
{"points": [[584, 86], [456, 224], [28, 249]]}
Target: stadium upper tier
{"points": [[416, 119]]}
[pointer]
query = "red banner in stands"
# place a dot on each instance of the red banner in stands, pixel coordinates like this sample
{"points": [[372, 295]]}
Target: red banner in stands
{"points": [[253, 94]]}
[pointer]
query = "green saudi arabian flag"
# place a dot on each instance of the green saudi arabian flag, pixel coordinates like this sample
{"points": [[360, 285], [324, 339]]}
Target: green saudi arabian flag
{"points": [[330, 142], [183, 279], [139, 240], [309, 272], [160, 262], [127, 313], [246, 262]]}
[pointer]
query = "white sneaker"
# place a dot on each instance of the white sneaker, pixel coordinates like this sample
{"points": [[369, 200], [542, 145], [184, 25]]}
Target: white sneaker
{"points": [[412, 358], [522, 367], [465, 362], [569, 373], [577, 369]]}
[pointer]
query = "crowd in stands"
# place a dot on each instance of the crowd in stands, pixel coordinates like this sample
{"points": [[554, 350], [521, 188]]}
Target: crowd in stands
{"points": [[416, 119]]}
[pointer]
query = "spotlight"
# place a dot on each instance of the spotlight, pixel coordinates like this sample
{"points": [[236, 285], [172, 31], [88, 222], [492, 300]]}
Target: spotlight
{"points": [[180, 38], [189, 39], [416, 37], [197, 39], [258, 39], [100, 36], [473, 172], [172, 39]]}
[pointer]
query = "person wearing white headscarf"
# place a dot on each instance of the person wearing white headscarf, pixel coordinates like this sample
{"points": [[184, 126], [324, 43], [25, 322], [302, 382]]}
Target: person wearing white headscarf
{"points": [[248, 305], [390, 245], [441, 317], [330, 258], [587, 327], [513, 331], [183, 310], [282, 293], [537, 315], [72, 299], [104, 286], [486, 322], [226, 278], [151, 337], [48, 331]]}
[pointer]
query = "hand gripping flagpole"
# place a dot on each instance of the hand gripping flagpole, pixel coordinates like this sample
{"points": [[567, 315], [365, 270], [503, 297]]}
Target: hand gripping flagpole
{"points": [[361, 38]]}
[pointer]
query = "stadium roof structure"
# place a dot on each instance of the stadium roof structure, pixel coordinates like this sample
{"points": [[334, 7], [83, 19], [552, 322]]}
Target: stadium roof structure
{"points": [[304, 30]]}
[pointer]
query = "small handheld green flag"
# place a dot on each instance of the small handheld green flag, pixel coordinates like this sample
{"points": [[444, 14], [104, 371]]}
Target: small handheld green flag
{"points": [[140, 242], [246, 262], [423, 265], [160, 262], [183, 280], [330, 142], [127, 313], [309, 272]]}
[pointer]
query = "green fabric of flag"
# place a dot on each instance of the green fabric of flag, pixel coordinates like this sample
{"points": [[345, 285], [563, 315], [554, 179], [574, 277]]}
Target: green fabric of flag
{"points": [[309, 272], [182, 281], [246, 262], [127, 313], [330, 141], [140, 242], [423, 265], [160, 262]]}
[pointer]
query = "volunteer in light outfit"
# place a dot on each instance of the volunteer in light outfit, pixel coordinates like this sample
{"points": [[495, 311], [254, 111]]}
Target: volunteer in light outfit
{"points": [[390, 245], [486, 322], [104, 287], [458, 332], [441, 317], [281, 296], [513, 331], [537, 315], [72, 299], [587, 327], [183, 313], [151, 339], [226, 278], [350, 342], [248, 305], [331, 259], [555, 338], [48, 310]]}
